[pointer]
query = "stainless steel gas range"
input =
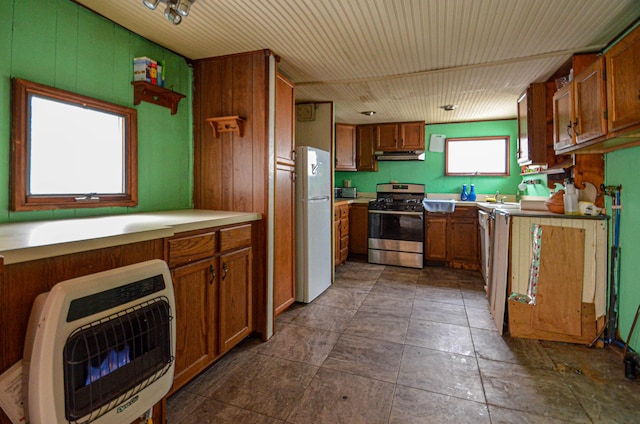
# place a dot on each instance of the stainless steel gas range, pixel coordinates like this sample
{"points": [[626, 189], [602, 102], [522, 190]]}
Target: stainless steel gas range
{"points": [[396, 225]]}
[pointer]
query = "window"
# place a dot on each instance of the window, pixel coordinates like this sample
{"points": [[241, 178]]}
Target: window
{"points": [[70, 151], [477, 156]]}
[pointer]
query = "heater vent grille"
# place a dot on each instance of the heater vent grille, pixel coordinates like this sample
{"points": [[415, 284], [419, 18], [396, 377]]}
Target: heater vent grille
{"points": [[109, 361]]}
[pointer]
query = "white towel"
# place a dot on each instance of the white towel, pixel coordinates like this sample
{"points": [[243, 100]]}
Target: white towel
{"points": [[443, 206]]}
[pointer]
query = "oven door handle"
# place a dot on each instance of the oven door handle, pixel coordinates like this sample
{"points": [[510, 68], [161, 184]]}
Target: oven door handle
{"points": [[397, 213]]}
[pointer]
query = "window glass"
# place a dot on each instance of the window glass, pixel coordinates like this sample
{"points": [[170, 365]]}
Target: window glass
{"points": [[70, 151], [477, 156]]}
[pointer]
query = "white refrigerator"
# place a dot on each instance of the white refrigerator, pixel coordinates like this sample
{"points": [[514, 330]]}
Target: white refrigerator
{"points": [[313, 222]]}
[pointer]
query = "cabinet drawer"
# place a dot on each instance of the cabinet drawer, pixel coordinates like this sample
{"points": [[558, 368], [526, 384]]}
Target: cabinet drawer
{"points": [[189, 249], [233, 238], [344, 212], [465, 212], [344, 243], [336, 214], [344, 226]]}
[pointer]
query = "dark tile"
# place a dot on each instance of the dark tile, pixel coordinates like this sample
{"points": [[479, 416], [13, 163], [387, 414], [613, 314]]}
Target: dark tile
{"points": [[267, 385], [324, 317], [395, 289], [481, 318], [354, 283], [475, 298], [491, 345], [510, 416], [290, 313], [439, 336], [439, 312], [420, 406], [302, 344], [375, 326], [347, 298], [530, 389], [439, 294], [379, 303], [441, 372], [213, 411], [340, 397], [181, 405], [433, 273], [366, 357]]}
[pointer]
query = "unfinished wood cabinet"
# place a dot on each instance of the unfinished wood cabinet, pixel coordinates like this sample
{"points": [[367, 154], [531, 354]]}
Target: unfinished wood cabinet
{"points": [[569, 283], [386, 137], [345, 148]]}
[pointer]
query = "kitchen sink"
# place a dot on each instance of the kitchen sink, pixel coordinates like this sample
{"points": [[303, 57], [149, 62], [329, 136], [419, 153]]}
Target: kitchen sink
{"points": [[505, 205]]}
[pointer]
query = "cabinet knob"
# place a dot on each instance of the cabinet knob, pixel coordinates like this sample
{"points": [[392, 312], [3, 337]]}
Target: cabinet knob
{"points": [[225, 269]]}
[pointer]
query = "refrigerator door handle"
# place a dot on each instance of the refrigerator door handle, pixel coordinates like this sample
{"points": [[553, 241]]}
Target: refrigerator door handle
{"points": [[317, 199]]}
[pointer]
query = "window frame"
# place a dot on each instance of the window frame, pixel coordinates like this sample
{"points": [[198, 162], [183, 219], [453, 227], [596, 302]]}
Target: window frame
{"points": [[507, 171], [21, 199]]}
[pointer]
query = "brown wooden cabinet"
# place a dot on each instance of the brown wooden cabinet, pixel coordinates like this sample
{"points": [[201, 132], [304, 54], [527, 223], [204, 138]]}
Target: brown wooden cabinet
{"points": [[623, 84], [590, 108], [345, 147], [563, 135], [365, 148], [359, 228], [532, 125], [284, 198], [234, 301], [196, 334], [412, 136], [436, 235], [386, 137], [341, 221], [402, 136], [212, 277], [453, 238]]}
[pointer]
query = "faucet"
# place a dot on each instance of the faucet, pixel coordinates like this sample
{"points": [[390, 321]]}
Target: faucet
{"points": [[499, 200]]}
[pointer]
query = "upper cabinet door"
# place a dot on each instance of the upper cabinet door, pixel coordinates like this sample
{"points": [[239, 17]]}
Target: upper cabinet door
{"points": [[285, 104], [365, 143], [623, 83], [345, 147], [412, 136], [387, 137], [590, 103], [563, 135], [532, 125]]}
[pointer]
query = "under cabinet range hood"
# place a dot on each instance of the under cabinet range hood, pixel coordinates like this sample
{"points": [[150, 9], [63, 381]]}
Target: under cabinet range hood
{"points": [[401, 155]]}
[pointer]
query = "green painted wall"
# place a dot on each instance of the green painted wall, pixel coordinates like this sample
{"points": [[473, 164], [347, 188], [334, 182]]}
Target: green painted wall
{"points": [[58, 43], [619, 168], [430, 172]]}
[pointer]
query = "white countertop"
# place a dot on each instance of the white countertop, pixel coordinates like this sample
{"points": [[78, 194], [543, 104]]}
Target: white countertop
{"points": [[25, 241]]}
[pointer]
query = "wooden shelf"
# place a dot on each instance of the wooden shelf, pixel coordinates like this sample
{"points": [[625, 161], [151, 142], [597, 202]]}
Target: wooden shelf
{"points": [[151, 93], [227, 124]]}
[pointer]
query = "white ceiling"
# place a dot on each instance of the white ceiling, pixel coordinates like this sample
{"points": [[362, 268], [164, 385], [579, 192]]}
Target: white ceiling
{"points": [[401, 58]]}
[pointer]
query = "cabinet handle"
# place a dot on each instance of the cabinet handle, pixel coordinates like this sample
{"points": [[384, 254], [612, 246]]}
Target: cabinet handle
{"points": [[225, 269], [575, 127], [212, 274]]}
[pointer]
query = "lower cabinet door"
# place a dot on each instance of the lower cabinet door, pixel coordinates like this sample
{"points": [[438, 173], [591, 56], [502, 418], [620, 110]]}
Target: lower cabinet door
{"points": [[234, 298], [194, 290]]}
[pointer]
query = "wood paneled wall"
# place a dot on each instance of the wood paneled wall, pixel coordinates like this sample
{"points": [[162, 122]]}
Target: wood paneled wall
{"points": [[231, 172]]}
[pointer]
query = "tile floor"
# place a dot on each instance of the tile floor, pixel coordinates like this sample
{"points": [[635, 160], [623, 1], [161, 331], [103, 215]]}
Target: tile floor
{"points": [[396, 345]]}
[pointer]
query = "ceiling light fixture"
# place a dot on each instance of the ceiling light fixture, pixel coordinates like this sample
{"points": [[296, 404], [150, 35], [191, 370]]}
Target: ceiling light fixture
{"points": [[175, 10], [368, 113], [449, 108]]}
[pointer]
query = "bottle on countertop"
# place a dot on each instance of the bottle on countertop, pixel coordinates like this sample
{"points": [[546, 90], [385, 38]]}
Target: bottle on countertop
{"points": [[472, 193], [570, 198], [464, 195]]}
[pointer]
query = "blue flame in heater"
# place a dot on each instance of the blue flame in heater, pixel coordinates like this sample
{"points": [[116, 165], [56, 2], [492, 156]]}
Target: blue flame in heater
{"points": [[114, 360]]}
